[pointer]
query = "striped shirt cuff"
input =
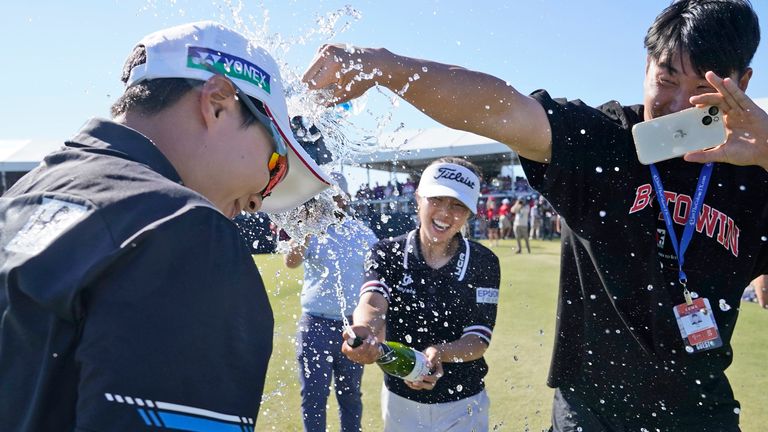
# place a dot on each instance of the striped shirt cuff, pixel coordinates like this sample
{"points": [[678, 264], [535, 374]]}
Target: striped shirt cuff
{"points": [[376, 286], [482, 332]]}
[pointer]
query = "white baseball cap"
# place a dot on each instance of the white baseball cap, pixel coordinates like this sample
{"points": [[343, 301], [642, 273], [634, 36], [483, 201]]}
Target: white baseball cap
{"points": [[202, 49], [450, 180]]}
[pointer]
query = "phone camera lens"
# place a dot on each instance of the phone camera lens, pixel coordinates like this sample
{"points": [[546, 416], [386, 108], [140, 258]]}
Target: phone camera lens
{"points": [[707, 120], [713, 111]]}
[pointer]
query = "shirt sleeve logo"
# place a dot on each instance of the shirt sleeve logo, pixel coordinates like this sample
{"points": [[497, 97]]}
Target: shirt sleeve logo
{"points": [[47, 223], [487, 295]]}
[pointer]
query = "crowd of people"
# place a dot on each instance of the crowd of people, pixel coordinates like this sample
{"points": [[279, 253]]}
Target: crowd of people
{"points": [[129, 302]]}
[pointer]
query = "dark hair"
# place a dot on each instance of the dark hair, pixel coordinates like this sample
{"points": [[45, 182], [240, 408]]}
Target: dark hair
{"points": [[718, 35], [153, 96], [462, 162]]}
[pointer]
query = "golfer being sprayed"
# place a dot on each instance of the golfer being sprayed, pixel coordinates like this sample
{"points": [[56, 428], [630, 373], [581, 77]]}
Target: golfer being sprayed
{"points": [[436, 291]]}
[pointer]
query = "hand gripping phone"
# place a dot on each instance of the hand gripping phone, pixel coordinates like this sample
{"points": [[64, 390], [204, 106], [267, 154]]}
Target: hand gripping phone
{"points": [[674, 135]]}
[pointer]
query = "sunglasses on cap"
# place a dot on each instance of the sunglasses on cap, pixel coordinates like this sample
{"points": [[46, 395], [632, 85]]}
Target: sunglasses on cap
{"points": [[278, 161]]}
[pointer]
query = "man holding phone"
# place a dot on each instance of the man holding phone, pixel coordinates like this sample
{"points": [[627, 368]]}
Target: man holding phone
{"points": [[620, 361]]}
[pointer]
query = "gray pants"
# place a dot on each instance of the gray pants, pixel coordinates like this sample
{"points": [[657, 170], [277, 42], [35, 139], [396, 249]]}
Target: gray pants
{"points": [[403, 415]]}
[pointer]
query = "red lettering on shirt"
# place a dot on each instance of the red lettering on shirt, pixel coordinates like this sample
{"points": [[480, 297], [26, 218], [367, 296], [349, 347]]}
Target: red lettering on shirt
{"points": [[709, 218], [670, 197], [682, 209], [642, 198], [723, 229], [708, 221], [733, 237]]}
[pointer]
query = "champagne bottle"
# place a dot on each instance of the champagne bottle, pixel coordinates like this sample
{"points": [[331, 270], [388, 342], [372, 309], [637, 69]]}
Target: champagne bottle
{"points": [[398, 360]]}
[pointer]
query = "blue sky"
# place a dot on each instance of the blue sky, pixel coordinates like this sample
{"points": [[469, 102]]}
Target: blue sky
{"points": [[62, 59]]}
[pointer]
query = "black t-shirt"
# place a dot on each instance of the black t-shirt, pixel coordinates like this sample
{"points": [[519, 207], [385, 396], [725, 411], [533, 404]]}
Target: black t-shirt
{"points": [[128, 302], [432, 306], [617, 341]]}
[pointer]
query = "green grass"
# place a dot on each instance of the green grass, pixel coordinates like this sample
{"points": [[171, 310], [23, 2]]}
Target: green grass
{"points": [[518, 357]]}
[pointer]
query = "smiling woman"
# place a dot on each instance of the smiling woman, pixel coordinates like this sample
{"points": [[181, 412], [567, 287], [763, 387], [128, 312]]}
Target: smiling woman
{"points": [[438, 292]]}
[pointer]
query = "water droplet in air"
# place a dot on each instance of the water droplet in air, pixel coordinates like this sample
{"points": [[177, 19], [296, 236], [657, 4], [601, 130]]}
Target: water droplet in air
{"points": [[599, 169], [742, 188], [602, 213], [592, 296], [650, 287], [724, 306], [583, 132]]}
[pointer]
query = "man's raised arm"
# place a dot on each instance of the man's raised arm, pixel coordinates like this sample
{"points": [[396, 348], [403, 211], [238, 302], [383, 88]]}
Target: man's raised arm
{"points": [[456, 97]]}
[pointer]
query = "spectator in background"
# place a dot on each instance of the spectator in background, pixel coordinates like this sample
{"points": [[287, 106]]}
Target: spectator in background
{"points": [[521, 210], [333, 272], [389, 190], [409, 187], [492, 218], [505, 219], [535, 217]]}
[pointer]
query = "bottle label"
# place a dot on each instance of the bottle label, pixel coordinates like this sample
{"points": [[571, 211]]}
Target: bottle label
{"points": [[388, 355], [420, 368]]}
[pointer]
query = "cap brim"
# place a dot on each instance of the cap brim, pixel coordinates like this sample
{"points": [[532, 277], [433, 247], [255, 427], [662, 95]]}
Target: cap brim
{"points": [[304, 180], [436, 190]]}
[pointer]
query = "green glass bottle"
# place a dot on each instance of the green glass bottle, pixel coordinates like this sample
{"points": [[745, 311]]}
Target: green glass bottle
{"points": [[398, 360]]}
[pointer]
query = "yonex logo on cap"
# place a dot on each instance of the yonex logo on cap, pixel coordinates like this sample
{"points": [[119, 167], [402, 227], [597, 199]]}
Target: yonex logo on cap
{"points": [[229, 65], [455, 175]]}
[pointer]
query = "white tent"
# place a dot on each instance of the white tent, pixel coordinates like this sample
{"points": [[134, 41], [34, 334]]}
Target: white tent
{"points": [[404, 151], [412, 151], [24, 155]]}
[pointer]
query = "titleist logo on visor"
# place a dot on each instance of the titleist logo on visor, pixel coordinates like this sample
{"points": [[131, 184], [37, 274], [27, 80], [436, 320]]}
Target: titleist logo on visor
{"points": [[453, 174]]}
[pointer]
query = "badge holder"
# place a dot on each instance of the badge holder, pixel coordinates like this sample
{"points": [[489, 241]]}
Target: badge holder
{"points": [[695, 317], [697, 324]]}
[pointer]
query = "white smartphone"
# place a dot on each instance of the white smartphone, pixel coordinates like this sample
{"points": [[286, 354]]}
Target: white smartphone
{"points": [[674, 135]]}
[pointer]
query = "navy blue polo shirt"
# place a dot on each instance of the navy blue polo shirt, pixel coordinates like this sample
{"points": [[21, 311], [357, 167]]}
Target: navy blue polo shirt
{"points": [[128, 301], [433, 306]]}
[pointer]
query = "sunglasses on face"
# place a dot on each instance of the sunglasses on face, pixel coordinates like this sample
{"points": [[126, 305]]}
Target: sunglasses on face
{"points": [[278, 161]]}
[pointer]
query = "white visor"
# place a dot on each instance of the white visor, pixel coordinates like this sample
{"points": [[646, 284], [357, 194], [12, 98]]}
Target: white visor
{"points": [[450, 180]]}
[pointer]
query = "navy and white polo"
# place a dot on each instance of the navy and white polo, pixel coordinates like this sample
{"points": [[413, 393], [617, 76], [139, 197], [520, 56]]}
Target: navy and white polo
{"points": [[433, 306]]}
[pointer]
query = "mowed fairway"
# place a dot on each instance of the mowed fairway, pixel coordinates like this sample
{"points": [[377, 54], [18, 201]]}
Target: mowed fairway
{"points": [[518, 357]]}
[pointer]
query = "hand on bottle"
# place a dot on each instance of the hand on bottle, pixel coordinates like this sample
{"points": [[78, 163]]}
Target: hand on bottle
{"points": [[367, 352], [435, 365], [344, 71]]}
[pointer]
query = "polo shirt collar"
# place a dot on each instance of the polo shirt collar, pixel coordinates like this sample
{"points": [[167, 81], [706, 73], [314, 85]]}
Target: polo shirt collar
{"points": [[459, 261], [124, 142]]}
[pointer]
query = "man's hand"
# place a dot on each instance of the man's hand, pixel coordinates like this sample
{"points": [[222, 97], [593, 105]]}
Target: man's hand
{"points": [[761, 290], [368, 352], [746, 124], [435, 364], [344, 71]]}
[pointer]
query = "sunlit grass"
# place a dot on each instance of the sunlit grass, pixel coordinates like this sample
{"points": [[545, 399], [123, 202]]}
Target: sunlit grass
{"points": [[518, 358]]}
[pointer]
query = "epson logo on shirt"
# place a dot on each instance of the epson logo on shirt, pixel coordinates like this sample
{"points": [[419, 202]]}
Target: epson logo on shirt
{"points": [[487, 295]]}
